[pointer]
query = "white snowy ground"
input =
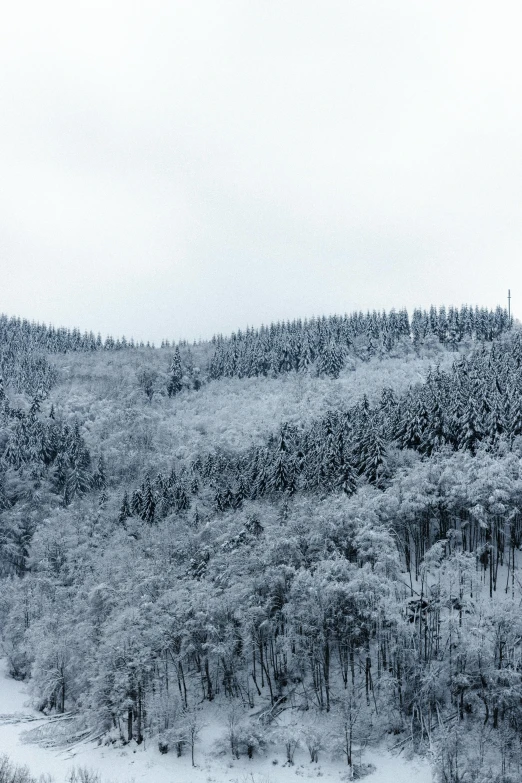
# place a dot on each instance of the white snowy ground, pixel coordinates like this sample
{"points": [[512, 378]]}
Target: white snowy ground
{"points": [[147, 765]]}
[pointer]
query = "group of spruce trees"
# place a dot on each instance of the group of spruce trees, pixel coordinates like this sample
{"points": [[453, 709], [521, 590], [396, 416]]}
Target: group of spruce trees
{"points": [[22, 336], [327, 343], [46, 449], [478, 403], [324, 343]]}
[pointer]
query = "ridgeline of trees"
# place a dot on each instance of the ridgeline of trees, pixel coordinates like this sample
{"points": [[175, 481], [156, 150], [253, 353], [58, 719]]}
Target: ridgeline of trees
{"points": [[329, 342], [22, 336]]}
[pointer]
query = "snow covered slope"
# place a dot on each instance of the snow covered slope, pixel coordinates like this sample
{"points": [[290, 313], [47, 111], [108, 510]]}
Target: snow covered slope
{"points": [[145, 764]]}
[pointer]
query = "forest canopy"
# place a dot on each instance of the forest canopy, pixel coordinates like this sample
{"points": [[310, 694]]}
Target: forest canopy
{"points": [[316, 517]]}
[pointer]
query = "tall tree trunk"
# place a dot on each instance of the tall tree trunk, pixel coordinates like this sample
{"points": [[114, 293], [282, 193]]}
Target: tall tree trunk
{"points": [[139, 717], [210, 692], [326, 673]]}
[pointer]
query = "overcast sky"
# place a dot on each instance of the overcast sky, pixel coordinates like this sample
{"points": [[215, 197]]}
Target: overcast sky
{"points": [[175, 169]]}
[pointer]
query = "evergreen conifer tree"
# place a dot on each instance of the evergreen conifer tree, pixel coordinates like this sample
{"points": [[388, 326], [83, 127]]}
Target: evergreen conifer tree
{"points": [[346, 478], [514, 414], [78, 477], [125, 510], [99, 479], [372, 455], [136, 502], [149, 504], [471, 430], [176, 375], [331, 360]]}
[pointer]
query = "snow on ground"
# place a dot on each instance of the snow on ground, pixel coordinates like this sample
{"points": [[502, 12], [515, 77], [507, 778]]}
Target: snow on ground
{"points": [[144, 764]]}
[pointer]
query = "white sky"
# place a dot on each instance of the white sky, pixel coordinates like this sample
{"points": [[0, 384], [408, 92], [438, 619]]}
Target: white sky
{"points": [[175, 169]]}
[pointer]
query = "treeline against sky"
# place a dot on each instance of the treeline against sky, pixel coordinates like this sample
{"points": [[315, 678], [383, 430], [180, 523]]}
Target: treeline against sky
{"points": [[329, 342], [323, 345], [20, 336], [301, 336]]}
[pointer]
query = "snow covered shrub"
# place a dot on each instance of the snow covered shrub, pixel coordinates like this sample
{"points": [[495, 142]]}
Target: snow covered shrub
{"points": [[353, 728], [17, 662], [314, 740], [231, 736], [289, 736], [242, 737], [12, 774], [222, 745], [174, 737], [251, 739], [16, 597], [83, 775], [166, 717], [456, 758]]}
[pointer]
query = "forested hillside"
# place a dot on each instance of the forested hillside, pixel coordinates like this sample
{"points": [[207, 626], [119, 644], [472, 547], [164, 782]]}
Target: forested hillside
{"points": [[314, 527]]}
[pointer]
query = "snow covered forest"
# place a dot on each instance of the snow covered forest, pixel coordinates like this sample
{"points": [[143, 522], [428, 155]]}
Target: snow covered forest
{"points": [[310, 532]]}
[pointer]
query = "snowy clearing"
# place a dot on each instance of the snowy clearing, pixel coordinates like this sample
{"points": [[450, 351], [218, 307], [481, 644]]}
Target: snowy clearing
{"points": [[145, 763]]}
